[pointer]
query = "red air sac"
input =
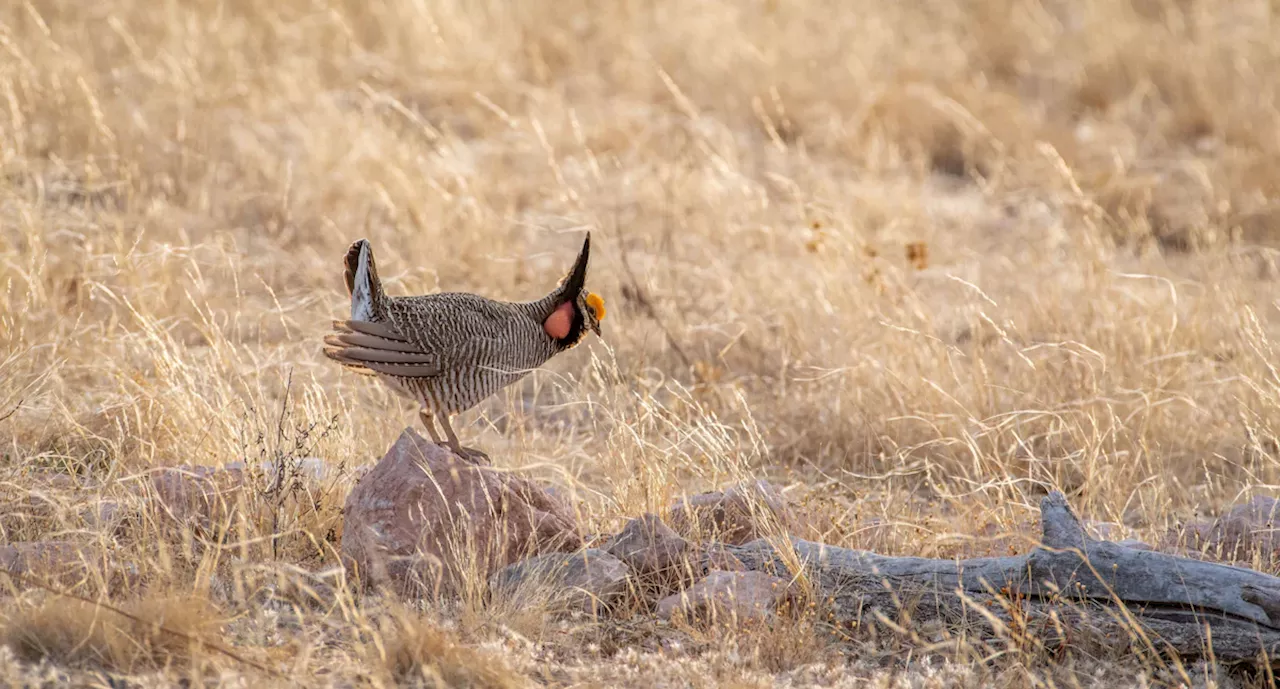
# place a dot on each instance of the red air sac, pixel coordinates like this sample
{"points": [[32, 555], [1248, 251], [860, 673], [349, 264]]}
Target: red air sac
{"points": [[558, 323]]}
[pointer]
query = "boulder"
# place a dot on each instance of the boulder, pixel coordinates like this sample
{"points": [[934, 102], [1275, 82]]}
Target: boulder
{"points": [[727, 598], [739, 515], [425, 519], [590, 581]]}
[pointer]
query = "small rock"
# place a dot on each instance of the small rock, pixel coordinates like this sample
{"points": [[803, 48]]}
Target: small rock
{"points": [[37, 558], [105, 516], [37, 505], [1181, 205], [715, 557], [1236, 535], [423, 517], [589, 581], [63, 562], [313, 469], [1188, 537], [1109, 531], [1134, 544], [1102, 531], [741, 514], [649, 547], [727, 597], [1249, 528], [199, 495]]}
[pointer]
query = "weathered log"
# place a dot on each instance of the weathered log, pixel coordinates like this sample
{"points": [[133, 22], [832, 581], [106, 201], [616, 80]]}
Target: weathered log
{"points": [[1162, 602]]}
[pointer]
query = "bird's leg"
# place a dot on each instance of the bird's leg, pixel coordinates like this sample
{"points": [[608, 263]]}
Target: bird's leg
{"points": [[430, 424], [458, 449], [453, 437]]}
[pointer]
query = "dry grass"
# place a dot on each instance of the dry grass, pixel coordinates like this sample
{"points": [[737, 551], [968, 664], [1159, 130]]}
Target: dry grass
{"points": [[416, 652], [155, 633], [917, 263]]}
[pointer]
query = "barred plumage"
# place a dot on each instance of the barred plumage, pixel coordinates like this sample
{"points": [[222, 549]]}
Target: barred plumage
{"points": [[450, 351]]}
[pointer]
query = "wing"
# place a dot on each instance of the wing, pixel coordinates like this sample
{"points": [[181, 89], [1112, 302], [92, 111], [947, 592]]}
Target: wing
{"points": [[425, 336], [372, 348]]}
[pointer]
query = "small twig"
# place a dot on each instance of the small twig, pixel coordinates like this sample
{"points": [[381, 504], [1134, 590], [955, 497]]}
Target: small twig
{"points": [[645, 304], [13, 411], [284, 411], [277, 490], [32, 581]]}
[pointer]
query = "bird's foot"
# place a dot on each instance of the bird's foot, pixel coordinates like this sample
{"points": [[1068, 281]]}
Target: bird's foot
{"points": [[468, 453]]}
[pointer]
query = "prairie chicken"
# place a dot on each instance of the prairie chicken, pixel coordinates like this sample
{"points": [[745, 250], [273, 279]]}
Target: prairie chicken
{"points": [[449, 351]]}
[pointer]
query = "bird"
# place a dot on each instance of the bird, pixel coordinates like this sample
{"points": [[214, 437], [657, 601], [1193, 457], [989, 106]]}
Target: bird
{"points": [[449, 351]]}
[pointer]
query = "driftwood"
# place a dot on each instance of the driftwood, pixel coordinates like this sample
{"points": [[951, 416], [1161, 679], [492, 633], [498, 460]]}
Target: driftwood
{"points": [[1069, 587]]}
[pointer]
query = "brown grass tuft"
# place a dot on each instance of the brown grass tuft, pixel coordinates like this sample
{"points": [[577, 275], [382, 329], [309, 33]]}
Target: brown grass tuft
{"points": [[167, 633], [419, 653]]}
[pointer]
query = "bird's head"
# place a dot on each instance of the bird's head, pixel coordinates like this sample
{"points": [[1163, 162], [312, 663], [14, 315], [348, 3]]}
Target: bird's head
{"points": [[591, 305], [575, 309]]}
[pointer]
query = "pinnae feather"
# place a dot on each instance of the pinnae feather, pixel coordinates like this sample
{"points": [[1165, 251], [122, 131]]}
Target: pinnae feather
{"points": [[361, 290]]}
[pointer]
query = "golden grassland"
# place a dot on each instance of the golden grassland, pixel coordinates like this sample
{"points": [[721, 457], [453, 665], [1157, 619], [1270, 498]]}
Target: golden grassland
{"points": [[916, 263]]}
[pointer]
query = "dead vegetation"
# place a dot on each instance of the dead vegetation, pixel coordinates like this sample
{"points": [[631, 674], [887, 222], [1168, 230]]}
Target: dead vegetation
{"points": [[417, 652], [916, 263], [155, 633]]}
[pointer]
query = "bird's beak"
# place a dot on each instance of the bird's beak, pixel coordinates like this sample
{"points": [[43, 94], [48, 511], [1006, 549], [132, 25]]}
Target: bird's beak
{"points": [[595, 328]]}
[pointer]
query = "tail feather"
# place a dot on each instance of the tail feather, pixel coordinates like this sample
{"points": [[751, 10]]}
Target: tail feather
{"points": [[359, 339], [371, 348], [363, 283]]}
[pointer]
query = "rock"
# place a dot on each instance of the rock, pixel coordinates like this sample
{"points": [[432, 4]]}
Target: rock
{"points": [[423, 517], [1248, 528], [201, 496], [727, 597], [715, 557], [649, 547], [590, 581], [1181, 206], [105, 516], [40, 558], [60, 562], [739, 515], [1102, 531], [38, 504], [1134, 544], [1187, 539], [1109, 531], [1242, 531], [313, 469]]}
